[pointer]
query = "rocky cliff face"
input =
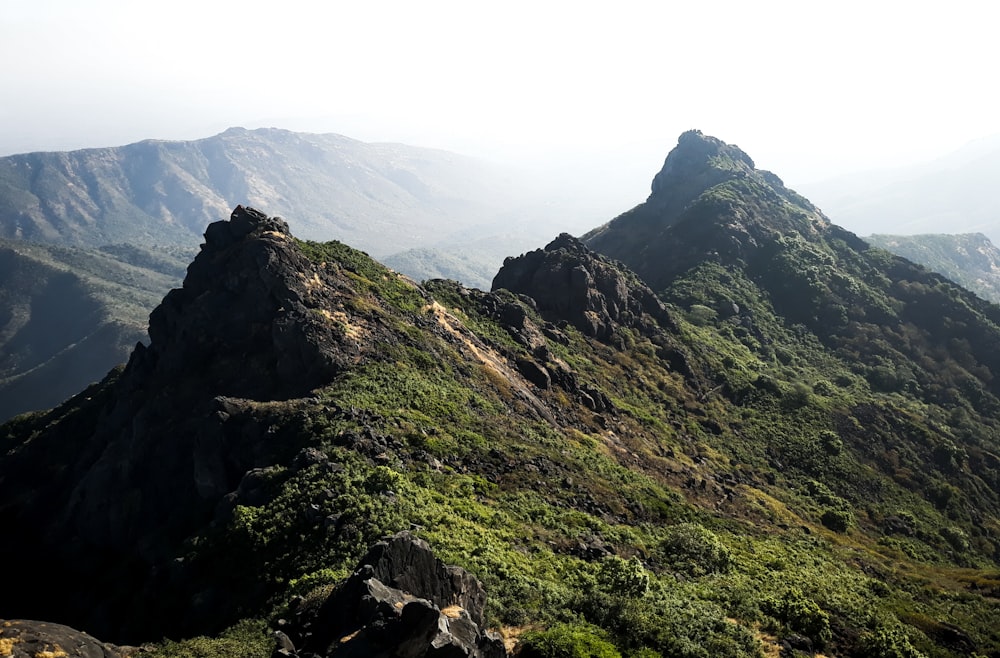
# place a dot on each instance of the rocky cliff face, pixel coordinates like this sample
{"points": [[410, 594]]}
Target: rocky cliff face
{"points": [[179, 426], [247, 325]]}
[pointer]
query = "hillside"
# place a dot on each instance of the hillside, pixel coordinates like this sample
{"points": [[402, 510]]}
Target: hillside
{"points": [[968, 259], [68, 315], [768, 436]]}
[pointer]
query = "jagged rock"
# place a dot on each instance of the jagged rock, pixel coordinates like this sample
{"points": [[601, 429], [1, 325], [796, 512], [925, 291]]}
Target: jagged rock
{"points": [[512, 316], [569, 282], [245, 309], [401, 601], [22, 638], [534, 373], [159, 446]]}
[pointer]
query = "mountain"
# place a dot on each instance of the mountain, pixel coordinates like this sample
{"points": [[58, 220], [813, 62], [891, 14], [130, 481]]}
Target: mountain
{"points": [[951, 194], [382, 198], [68, 315], [968, 259], [767, 437]]}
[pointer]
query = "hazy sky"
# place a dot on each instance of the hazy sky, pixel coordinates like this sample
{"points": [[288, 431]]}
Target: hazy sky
{"points": [[807, 89]]}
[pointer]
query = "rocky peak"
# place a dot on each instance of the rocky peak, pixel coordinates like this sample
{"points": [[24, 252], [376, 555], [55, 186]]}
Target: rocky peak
{"points": [[699, 156], [708, 202], [247, 319], [162, 442], [570, 283]]}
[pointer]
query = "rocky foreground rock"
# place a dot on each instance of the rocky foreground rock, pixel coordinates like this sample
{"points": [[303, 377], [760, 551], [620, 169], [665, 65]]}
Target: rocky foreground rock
{"points": [[24, 638], [401, 601]]}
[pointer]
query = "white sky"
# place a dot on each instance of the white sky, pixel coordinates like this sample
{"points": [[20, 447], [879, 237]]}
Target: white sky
{"points": [[808, 89]]}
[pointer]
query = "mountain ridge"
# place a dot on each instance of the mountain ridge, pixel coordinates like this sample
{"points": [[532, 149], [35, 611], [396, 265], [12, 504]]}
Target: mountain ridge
{"points": [[702, 177], [68, 315], [795, 434]]}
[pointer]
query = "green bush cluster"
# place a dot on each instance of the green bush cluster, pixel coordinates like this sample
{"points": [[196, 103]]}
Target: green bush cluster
{"points": [[888, 642], [800, 614], [576, 640], [248, 639], [691, 549]]}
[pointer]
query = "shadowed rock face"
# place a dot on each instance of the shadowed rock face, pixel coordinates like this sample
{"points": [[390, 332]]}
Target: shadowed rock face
{"points": [[400, 601], [246, 318], [149, 453], [243, 326]]}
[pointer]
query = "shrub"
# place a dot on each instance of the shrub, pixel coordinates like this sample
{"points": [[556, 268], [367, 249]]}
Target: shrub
{"points": [[701, 315], [888, 643], [831, 441], [837, 520], [824, 388], [800, 615], [568, 641], [694, 550], [247, 639], [956, 538], [623, 577]]}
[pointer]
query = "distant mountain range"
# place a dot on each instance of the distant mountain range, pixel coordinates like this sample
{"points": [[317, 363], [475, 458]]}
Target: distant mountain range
{"points": [[69, 314], [952, 194], [383, 198], [970, 259], [76, 225]]}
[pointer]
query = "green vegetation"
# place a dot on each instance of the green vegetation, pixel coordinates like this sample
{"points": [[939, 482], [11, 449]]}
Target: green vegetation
{"points": [[569, 641], [247, 639], [804, 448]]}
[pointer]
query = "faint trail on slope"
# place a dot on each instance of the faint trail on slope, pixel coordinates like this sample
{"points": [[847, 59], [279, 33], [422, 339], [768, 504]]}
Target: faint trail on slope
{"points": [[488, 358]]}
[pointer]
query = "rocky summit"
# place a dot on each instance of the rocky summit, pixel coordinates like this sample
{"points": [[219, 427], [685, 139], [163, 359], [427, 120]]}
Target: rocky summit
{"points": [[707, 202], [718, 425]]}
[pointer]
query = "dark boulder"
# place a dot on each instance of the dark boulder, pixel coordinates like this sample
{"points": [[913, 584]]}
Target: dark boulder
{"points": [[401, 601], [22, 638], [570, 283]]}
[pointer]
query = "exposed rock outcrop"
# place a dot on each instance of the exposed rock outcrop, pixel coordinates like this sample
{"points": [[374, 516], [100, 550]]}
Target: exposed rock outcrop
{"points": [[569, 282], [149, 453], [401, 601], [246, 317], [23, 638]]}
